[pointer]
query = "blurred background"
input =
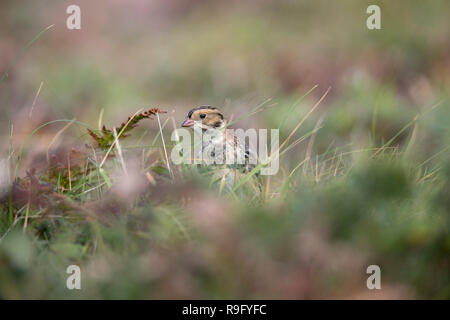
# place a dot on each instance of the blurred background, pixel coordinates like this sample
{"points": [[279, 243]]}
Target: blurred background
{"points": [[236, 55]]}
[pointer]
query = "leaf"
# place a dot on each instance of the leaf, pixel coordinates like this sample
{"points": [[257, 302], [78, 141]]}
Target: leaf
{"points": [[105, 137]]}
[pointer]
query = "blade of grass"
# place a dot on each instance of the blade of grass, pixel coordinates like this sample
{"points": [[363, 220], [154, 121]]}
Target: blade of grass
{"points": [[34, 100], [282, 121], [25, 143], [118, 136], [119, 152], [164, 146], [23, 50], [260, 165], [409, 124], [252, 112], [56, 137]]}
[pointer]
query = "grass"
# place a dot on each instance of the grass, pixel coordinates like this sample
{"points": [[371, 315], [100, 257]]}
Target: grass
{"points": [[364, 168], [185, 236]]}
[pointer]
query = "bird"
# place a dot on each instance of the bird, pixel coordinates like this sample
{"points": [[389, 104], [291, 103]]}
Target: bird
{"points": [[210, 122]]}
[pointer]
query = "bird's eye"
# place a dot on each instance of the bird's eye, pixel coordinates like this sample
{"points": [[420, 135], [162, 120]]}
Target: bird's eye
{"points": [[203, 116]]}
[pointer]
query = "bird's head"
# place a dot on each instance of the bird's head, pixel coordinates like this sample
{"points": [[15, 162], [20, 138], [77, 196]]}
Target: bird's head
{"points": [[204, 117]]}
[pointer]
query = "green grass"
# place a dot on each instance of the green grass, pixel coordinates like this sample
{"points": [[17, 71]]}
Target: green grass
{"points": [[381, 205], [364, 175]]}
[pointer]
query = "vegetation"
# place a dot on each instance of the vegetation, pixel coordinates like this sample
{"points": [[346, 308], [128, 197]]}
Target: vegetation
{"points": [[364, 174]]}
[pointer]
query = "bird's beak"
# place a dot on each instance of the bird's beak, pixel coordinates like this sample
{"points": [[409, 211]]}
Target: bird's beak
{"points": [[187, 123]]}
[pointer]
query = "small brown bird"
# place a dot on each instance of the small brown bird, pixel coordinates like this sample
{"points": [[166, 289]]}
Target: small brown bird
{"points": [[206, 117], [209, 122]]}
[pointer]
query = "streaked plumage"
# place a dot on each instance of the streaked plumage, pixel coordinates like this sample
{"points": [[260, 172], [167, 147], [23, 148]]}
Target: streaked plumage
{"points": [[210, 122]]}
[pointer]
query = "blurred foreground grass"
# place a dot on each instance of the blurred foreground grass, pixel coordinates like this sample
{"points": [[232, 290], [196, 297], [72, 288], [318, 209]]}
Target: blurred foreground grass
{"points": [[371, 186], [310, 233]]}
